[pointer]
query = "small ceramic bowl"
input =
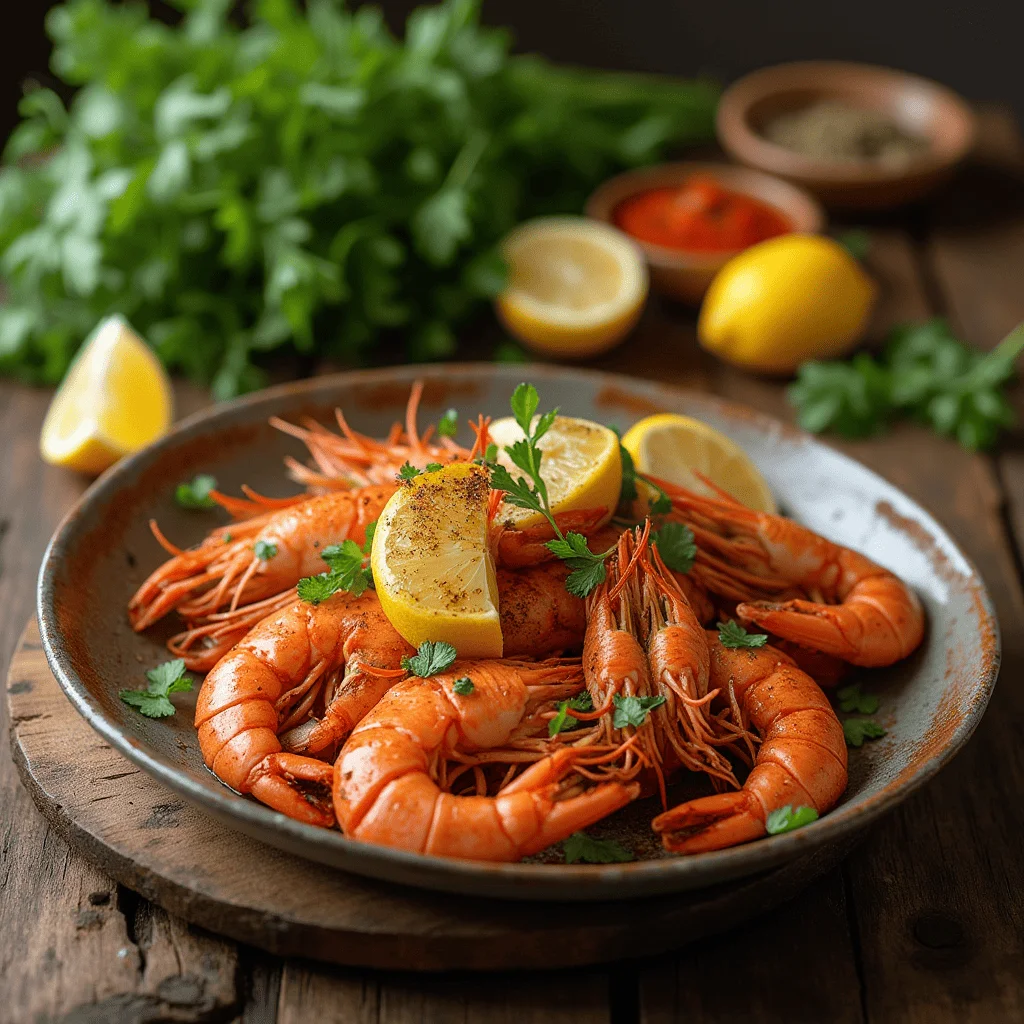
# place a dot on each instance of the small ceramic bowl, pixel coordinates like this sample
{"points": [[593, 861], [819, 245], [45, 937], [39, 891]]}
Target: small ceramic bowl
{"points": [[916, 105], [686, 275]]}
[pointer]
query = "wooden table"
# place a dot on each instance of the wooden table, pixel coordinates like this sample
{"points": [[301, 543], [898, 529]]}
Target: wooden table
{"points": [[923, 922]]}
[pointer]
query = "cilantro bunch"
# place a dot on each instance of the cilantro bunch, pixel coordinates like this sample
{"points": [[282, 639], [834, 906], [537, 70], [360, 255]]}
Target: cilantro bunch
{"points": [[926, 373], [292, 176]]}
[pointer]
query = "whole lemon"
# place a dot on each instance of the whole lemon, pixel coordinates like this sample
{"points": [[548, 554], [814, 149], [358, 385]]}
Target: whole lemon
{"points": [[784, 301]]}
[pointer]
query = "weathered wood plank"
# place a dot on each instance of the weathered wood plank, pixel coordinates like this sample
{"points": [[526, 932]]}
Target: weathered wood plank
{"points": [[68, 950], [338, 996]]}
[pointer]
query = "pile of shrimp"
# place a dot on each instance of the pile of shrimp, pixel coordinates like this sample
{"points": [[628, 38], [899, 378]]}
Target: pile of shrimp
{"points": [[311, 710]]}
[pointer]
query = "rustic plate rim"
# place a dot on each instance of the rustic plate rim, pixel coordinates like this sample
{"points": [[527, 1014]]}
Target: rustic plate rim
{"points": [[506, 881]]}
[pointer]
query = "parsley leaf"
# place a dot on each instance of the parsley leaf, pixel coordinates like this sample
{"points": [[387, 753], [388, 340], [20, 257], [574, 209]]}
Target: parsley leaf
{"points": [[677, 546], [432, 467], [580, 848], [857, 730], [851, 699], [195, 493], [264, 550], [732, 634], [785, 819], [431, 657], [371, 529], [633, 710], [464, 686], [628, 493], [408, 472], [163, 680], [926, 373], [346, 562], [524, 404], [448, 424], [563, 721]]}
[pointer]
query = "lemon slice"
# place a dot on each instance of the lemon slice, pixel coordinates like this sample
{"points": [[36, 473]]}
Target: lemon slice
{"points": [[581, 466], [432, 564], [115, 400], [576, 286], [672, 447]]}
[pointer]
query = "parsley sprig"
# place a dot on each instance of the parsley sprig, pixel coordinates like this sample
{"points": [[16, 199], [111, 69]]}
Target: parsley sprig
{"points": [[347, 570], [857, 730], [165, 679], [925, 373], [676, 545], [563, 720], [431, 657], [580, 848], [852, 699], [633, 710], [529, 491], [732, 634], [194, 494]]}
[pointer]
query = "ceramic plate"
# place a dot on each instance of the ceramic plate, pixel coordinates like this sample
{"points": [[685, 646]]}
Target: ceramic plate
{"points": [[930, 703]]}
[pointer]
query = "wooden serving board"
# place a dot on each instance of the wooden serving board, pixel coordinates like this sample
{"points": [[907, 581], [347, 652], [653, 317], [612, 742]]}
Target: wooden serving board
{"points": [[151, 840]]}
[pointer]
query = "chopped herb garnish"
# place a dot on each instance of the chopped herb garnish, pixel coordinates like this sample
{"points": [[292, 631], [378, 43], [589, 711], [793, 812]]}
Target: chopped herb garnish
{"points": [[787, 818], [732, 634], [448, 424], [851, 699], [563, 721], [464, 686], [580, 848], [491, 452], [633, 710], [408, 472], [857, 730], [433, 467], [431, 657], [677, 546], [195, 493], [165, 679], [264, 550], [347, 570]]}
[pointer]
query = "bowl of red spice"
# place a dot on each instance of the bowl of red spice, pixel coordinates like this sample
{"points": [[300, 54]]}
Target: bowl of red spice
{"points": [[691, 218], [858, 136]]}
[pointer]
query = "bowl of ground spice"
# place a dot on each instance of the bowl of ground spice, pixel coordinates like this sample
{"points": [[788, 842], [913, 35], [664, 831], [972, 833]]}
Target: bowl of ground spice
{"points": [[860, 137]]}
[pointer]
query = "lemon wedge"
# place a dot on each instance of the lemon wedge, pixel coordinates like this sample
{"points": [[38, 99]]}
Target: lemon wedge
{"points": [[431, 562], [115, 399], [580, 466], [672, 447], [576, 286]]}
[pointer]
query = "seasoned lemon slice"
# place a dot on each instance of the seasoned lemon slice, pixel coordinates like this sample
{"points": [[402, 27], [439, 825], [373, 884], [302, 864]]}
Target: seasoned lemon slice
{"points": [[432, 565], [576, 286], [115, 400], [672, 447], [580, 466]]}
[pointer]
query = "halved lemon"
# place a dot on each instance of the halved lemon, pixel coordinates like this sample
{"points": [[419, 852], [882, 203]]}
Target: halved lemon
{"points": [[431, 563], [672, 447], [576, 286], [581, 466], [115, 399]]}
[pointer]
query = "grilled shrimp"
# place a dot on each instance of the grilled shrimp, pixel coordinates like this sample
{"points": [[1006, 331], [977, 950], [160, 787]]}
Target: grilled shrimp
{"points": [[344, 651], [801, 761], [227, 569], [385, 788], [835, 600]]}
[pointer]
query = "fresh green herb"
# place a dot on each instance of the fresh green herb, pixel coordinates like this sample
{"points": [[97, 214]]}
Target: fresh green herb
{"points": [[661, 504], [633, 710], [431, 657], [732, 634], [677, 546], [926, 373], [165, 679], [563, 721], [193, 494], [278, 174], [856, 241], [580, 848], [851, 699], [432, 467], [857, 730], [464, 686], [510, 352], [264, 550], [347, 570], [787, 818], [628, 494], [530, 492], [491, 453], [408, 472], [448, 424]]}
